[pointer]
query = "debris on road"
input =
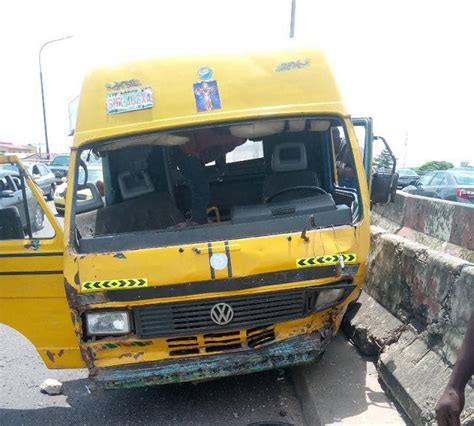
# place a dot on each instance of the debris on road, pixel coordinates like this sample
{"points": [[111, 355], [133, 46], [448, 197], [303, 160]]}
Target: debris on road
{"points": [[51, 387]]}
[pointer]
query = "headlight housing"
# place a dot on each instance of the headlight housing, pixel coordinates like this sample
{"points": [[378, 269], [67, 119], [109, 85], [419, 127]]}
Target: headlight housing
{"points": [[329, 297], [107, 323]]}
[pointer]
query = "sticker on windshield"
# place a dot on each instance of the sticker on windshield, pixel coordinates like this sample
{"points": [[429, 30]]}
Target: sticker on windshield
{"points": [[206, 95], [129, 100]]}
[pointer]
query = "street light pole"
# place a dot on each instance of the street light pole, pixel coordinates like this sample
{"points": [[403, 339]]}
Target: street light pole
{"points": [[42, 91], [292, 19]]}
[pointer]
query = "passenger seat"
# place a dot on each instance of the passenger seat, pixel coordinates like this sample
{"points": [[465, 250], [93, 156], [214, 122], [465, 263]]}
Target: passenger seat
{"points": [[143, 209], [290, 170], [149, 212]]}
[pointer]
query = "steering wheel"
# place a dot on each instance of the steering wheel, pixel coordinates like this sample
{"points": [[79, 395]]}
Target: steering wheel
{"points": [[295, 188]]}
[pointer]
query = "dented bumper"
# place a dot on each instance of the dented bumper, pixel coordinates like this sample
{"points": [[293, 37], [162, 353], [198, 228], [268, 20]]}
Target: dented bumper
{"points": [[302, 349]]}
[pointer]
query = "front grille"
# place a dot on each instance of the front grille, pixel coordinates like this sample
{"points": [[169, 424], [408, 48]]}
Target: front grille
{"points": [[220, 342], [191, 317], [254, 310]]}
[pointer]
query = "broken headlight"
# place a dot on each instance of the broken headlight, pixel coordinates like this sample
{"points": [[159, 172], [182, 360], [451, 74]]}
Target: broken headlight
{"points": [[107, 323], [329, 297]]}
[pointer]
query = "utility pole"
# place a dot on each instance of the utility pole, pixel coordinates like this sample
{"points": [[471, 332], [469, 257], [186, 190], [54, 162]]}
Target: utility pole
{"points": [[42, 92], [292, 19]]}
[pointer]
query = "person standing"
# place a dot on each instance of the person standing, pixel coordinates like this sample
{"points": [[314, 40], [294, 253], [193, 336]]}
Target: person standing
{"points": [[451, 403], [204, 146]]}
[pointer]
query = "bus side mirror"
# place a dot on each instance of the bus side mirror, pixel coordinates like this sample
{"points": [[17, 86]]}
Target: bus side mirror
{"points": [[88, 198], [384, 187], [384, 184]]}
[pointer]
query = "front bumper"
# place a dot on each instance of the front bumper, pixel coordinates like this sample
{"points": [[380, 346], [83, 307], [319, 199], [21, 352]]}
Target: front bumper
{"points": [[303, 349]]}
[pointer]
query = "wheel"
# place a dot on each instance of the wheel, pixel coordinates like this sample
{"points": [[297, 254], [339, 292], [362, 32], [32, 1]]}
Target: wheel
{"points": [[50, 194], [37, 218]]}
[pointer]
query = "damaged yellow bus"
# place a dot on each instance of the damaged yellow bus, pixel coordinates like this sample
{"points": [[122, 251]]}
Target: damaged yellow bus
{"points": [[227, 234]]}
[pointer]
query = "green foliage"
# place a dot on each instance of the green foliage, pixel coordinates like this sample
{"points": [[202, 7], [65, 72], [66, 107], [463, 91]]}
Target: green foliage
{"points": [[434, 165], [383, 160]]}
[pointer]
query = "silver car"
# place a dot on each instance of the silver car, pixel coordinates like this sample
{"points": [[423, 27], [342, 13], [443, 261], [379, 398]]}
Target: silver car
{"points": [[11, 195], [452, 185], [40, 173]]}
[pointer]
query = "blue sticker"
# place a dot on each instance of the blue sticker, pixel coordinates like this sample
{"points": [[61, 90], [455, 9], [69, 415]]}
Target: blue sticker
{"points": [[204, 73], [206, 95]]}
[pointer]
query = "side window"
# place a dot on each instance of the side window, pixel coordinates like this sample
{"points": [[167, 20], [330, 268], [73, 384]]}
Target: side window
{"points": [[35, 170], [438, 179], [360, 132], [42, 169], [345, 167], [7, 184], [425, 180], [21, 218], [15, 183]]}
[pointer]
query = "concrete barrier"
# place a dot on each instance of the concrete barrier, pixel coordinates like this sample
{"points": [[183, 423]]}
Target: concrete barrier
{"points": [[417, 301], [414, 314], [431, 290], [442, 225]]}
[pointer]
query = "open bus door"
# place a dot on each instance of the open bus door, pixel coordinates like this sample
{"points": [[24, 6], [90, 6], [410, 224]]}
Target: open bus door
{"points": [[32, 294]]}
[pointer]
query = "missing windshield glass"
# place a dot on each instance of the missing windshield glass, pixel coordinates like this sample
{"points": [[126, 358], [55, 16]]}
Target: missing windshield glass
{"points": [[221, 182]]}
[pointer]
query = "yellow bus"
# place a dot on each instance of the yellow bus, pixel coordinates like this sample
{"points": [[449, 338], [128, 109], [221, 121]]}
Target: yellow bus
{"points": [[227, 234]]}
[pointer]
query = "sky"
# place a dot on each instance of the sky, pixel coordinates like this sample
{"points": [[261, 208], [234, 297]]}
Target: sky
{"points": [[407, 64]]}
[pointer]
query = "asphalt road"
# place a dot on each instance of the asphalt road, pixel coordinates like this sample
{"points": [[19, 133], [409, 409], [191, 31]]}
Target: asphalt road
{"points": [[234, 401]]}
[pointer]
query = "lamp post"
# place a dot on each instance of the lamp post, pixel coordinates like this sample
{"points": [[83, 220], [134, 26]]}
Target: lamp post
{"points": [[292, 18], [42, 91]]}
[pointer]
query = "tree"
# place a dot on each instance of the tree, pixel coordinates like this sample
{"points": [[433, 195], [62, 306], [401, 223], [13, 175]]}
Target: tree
{"points": [[434, 165], [383, 161]]}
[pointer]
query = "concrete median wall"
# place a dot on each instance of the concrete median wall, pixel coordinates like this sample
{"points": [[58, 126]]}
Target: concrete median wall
{"points": [[413, 314], [433, 291], [443, 225]]}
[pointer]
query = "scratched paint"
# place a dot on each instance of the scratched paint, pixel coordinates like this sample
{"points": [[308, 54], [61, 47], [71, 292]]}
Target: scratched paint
{"points": [[123, 344], [303, 349]]}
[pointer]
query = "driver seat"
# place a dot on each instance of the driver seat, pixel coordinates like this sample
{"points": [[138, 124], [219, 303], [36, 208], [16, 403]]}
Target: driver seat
{"points": [[290, 170]]}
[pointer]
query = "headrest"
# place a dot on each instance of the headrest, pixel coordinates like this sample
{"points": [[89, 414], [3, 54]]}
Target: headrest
{"points": [[134, 183], [289, 156]]}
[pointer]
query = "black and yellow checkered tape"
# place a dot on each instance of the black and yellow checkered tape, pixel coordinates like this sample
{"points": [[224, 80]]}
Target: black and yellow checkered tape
{"points": [[121, 284], [331, 259]]}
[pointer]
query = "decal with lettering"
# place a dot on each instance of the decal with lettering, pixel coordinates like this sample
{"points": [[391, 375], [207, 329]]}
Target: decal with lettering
{"points": [[293, 65], [120, 85]]}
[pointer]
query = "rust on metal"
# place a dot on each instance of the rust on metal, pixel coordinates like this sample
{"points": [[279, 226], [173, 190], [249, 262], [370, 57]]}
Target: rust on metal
{"points": [[50, 355]]}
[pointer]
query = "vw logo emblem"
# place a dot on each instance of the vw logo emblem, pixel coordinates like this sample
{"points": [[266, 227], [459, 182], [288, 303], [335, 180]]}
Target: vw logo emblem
{"points": [[222, 313]]}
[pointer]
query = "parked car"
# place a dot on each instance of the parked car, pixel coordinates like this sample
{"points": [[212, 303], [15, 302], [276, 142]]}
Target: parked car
{"points": [[453, 185], [40, 173], [11, 195], [406, 177], [59, 166], [94, 175]]}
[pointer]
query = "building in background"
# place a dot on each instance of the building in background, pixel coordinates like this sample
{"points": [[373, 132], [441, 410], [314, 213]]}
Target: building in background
{"points": [[21, 151]]}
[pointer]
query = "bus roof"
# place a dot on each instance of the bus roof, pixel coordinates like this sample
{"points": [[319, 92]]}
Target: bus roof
{"points": [[164, 93]]}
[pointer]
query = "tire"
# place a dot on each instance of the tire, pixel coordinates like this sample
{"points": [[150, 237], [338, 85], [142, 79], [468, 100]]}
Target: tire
{"points": [[50, 195], [37, 219]]}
